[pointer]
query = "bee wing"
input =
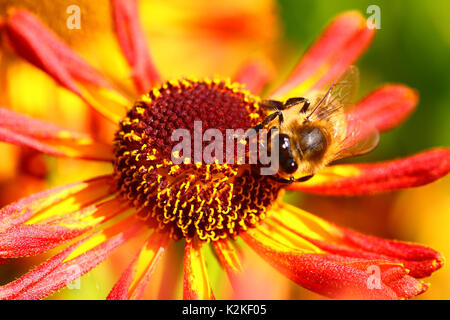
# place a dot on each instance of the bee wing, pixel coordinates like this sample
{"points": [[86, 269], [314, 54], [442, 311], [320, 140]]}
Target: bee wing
{"points": [[361, 138], [344, 90], [339, 95]]}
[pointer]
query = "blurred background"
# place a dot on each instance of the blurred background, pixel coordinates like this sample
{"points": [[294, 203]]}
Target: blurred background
{"points": [[205, 38]]}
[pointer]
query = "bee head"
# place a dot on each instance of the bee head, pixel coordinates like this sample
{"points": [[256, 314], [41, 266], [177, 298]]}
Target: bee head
{"points": [[288, 163]]}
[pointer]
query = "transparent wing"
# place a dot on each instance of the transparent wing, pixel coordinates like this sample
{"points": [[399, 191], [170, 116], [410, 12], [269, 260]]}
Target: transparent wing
{"points": [[339, 95], [344, 89], [361, 138]]}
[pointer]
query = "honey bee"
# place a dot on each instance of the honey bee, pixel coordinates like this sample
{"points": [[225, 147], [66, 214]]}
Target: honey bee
{"points": [[315, 131]]}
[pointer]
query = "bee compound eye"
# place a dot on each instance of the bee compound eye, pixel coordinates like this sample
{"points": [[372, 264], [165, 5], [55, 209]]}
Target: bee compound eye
{"points": [[284, 143], [289, 165]]}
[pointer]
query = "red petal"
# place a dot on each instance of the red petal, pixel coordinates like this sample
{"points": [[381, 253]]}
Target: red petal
{"points": [[195, 282], [48, 138], [31, 239], [387, 107], [68, 266], [22, 22], [83, 193], [42, 48], [342, 42], [291, 223], [255, 75], [133, 43], [408, 287], [418, 266], [26, 240], [331, 275], [358, 179], [421, 261], [134, 280], [12, 289]]}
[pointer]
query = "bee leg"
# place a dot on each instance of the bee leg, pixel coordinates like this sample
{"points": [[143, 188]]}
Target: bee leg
{"points": [[281, 180], [305, 106], [280, 118], [250, 132], [271, 105], [305, 178], [293, 101]]}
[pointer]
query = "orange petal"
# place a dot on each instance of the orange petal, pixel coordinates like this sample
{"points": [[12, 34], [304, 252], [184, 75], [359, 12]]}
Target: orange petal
{"points": [[359, 179], [195, 282], [341, 43], [228, 258], [332, 275], [134, 280], [71, 263], [54, 202], [49, 138], [134, 45], [386, 107], [41, 47], [294, 226], [38, 237], [255, 75]]}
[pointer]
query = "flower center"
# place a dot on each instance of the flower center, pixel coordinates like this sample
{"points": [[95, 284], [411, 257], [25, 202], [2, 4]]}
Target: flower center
{"points": [[209, 200]]}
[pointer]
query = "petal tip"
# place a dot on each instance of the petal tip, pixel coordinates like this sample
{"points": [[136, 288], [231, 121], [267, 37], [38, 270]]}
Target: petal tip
{"points": [[354, 18], [354, 15], [424, 286], [439, 262]]}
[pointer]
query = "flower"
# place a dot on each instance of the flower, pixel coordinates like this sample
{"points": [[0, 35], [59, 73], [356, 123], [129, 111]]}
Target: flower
{"points": [[149, 197], [174, 30]]}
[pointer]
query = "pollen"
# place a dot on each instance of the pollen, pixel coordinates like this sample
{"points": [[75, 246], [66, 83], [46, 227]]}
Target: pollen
{"points": [[210, 201]]}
